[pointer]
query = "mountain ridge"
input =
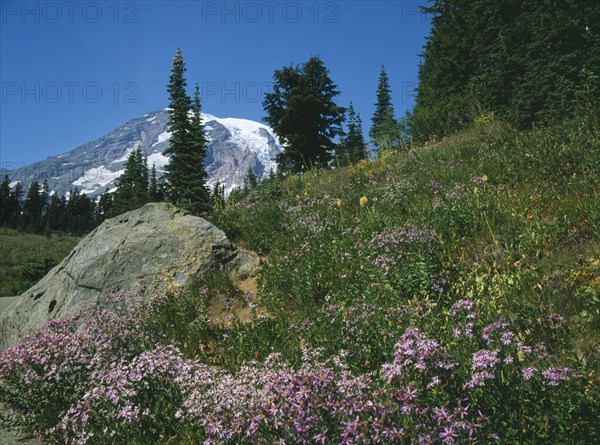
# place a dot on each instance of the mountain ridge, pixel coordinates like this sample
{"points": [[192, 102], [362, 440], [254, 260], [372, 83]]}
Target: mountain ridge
{"points": [[235, 145]]}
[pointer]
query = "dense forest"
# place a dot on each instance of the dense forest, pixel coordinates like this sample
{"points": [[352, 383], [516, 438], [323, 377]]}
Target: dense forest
{"points": [[525, 62]]}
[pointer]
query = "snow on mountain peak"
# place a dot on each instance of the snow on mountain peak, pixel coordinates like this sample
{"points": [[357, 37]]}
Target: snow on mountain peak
{"points": [[235, 145]]}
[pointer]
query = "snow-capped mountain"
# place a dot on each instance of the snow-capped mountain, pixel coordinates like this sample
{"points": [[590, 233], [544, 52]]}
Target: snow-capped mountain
{"points": [[234, 146]]}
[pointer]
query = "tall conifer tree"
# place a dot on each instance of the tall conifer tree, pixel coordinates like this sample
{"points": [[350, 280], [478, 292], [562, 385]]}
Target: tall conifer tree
{"points": [[384, 129], [154, 193], [185, 175], [132, 185], [32, 209], [525, 62], [199, 193], [55, 216], [250, 181], [15, 206], [302, 112], [5, 204], [352, 147], [105, 205]]}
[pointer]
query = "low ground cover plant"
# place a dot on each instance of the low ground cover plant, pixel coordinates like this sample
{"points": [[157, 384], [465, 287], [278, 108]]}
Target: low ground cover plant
{"points": [[113, 381]]}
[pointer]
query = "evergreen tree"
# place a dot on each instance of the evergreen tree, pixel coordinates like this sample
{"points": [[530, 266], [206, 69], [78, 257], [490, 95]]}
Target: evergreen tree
{"points": [[303, 114], [525, 62], [154, 190], [33, 208], [71, 218], [45, 198], [198, 192], [143, 191], [105, 205], [55, 215], [132, 185], [179, 127], [15, 206], [87, 213], [80, 211], [185, 175], [5, 201], [250, 181], [218, 196], [352, 147], [384, 129]]}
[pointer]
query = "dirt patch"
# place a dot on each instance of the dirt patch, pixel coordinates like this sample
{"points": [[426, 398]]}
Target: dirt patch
{"points": [[247, 285], [223, 310]]}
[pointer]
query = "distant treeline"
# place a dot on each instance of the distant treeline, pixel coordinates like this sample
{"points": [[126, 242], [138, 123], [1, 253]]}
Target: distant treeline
{"points": [[42, 212], [38, 212]]}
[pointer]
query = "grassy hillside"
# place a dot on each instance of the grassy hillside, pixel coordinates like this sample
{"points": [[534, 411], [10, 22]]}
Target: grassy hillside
{"points": [[510, 220], [25, 258], [448, 294]]}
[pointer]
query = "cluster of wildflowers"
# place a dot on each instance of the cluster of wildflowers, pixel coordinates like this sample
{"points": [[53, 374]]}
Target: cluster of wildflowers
{"points": [[478, 180], [458, 192], [79, 388], [126, 396], [273, 403], [305, 213], [51, 368], [388, 247], [497, 332], [363, 319], [41, 374], [435, 186], [421, 369], [440, 284], [504, 349], [406, 234], [465, 309], [396, 192], [416, 350], [556, 321]]}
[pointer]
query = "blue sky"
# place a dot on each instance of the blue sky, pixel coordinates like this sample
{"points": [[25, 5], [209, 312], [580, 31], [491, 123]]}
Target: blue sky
{"points": [[72, 71]]}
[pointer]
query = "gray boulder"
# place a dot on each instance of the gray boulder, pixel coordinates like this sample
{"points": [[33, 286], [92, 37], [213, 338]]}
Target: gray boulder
{"points": [[147, 251]]}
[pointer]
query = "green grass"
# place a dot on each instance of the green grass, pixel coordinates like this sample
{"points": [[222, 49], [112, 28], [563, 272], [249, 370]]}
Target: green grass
{"points": [[25, 258]]}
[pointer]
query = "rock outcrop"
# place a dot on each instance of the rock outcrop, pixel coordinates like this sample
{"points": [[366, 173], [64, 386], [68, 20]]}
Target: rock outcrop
{"points": [[146, 251]]}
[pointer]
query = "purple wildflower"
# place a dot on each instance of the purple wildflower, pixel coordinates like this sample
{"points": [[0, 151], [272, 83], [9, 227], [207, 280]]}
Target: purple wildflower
{"points": [[484, 359], [435, 186], [557, 376], [440, 415], [448, 434], [489, 332], [556, 320], [478, 379], [527, 373], [463, 305], [477, 180]]}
